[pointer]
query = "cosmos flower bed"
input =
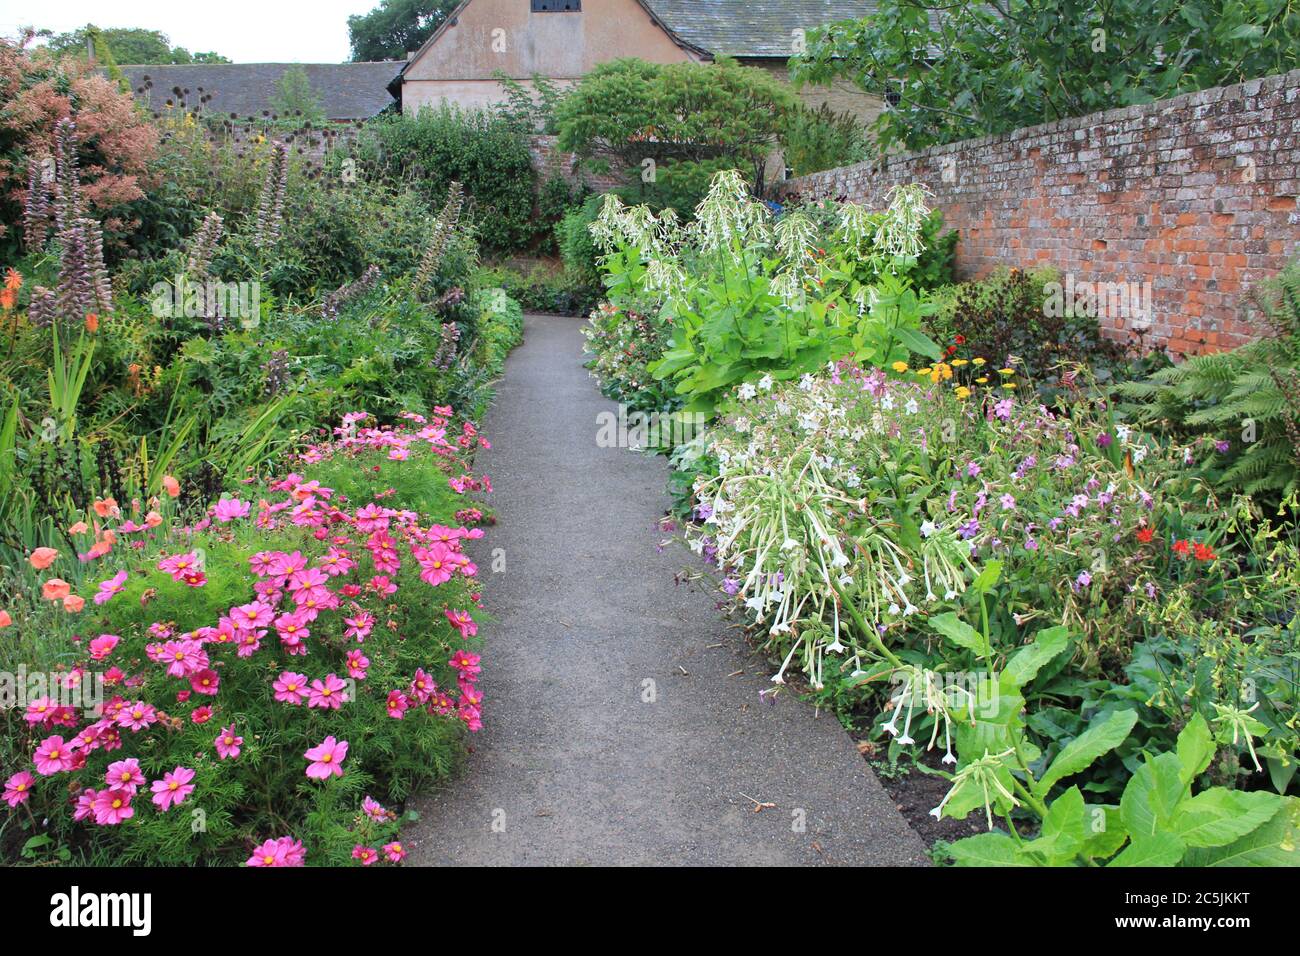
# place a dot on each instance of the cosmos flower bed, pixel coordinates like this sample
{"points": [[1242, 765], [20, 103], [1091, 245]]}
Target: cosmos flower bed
{"points": [[277, 675]]}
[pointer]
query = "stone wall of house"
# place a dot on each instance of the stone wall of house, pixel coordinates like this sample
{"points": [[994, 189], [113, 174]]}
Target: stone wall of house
{"points": [[1195, 195]]}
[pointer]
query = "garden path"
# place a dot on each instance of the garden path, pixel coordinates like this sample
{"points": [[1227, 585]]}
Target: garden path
{"points": [[573, 766]]}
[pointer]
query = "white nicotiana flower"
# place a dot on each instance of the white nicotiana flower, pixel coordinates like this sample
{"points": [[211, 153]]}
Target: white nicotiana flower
{"points": [[746, 391], [765, 383], [927, 528], [911, 407]]}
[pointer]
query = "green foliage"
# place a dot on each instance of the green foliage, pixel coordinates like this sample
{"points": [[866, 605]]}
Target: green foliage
{"points": [[631, 111], [127, 45], [479, 150], [1242, 405], [968, 70], [578, 246], [395, 28], [295, 97], [823, 139]]}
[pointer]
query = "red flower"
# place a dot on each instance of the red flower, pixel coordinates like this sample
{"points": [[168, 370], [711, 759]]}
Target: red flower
{"points": [[1145, 535], [960, 339], [1203, 552], [1182, 548]]}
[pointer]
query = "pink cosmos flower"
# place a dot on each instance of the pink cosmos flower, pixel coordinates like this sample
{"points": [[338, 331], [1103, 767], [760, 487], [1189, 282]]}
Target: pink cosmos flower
{"points": [[359, 626], [465, 662], [395, 852], [422, 686], [178, 565], [463, 623], [111, 807], [18, 788], [285, 851], [124, 775], [201, 715], [206, 681], [290, 688], [365, 854], [85, 805], [137, 716], [228, 509], [53, 756], [228, 743], [436, 563], [173, 788], [41, 711], [247, 617], [113, 586], [328, 694], [397, 704], [326, 759], [183, 658], [357, 664], [372, 808], [100, 647]]}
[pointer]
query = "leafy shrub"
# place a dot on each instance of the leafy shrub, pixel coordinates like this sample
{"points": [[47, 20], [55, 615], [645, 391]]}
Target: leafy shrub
{"points": [[483, 152], [823, 139], [577, 246], [1005, 316]]}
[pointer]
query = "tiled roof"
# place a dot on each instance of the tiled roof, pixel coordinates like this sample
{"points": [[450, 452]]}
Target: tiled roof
{"points": [[346, 90], [758, 28]]}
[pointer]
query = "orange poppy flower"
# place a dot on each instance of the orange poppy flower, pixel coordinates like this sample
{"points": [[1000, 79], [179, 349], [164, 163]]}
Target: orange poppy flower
{"points": [[42, 558], [5, 619], [73, 603], [55, 589], [105, 507], [171, 486]]}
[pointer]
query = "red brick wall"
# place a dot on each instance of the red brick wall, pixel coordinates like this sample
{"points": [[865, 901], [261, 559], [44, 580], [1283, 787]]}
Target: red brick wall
{"points": [[1196, 195], [549, 161]]}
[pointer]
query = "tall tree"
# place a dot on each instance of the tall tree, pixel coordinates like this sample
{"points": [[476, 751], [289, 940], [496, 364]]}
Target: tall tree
{"points": [[296, 98], [127, 45], [956, 69], [396, 27]]}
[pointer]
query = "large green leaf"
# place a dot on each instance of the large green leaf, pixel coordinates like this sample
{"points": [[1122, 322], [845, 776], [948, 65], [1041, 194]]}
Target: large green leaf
{"points": [[986, 849], [1160, 849], [1273, 844], [1022, 666], [1195, 748], [1219, 816], [960, 633], [919, 343], [1100, 738]]}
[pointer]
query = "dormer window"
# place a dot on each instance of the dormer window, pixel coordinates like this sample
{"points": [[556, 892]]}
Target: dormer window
{"points": [[557, 6]]}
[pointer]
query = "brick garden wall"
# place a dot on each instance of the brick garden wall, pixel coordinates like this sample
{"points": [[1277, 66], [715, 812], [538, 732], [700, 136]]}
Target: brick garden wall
{"points": [[1196, 195]]}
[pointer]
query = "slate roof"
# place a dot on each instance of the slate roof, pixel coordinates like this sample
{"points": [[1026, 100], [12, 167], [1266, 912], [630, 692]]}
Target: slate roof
{"points": [[347, 90], [751, 28]]}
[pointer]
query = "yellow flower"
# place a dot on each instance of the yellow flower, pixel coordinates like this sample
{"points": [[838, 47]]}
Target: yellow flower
{"points": [[924, 371], [941, 371], [899, 367], [982, 380], [958, 363], [1008, 384], [1006, 371], [978, 361], [961, 391]]}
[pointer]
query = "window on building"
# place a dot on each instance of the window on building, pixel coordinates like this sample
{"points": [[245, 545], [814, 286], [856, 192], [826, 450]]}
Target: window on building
{"points": [[557, 6]]}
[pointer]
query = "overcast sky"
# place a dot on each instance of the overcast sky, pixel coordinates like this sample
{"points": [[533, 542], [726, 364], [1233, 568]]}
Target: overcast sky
{"points": [[246, 31]]}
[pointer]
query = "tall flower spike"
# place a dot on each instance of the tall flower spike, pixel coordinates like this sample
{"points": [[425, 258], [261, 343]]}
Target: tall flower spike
{"points": [[67, 177], [270, 206], [36, 208], [899, 231], [204, 245]]}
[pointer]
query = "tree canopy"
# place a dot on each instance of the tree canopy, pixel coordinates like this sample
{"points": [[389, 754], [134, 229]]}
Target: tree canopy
{"points": [[632, 111], [126, 45], [960, 70], [395, 28]]}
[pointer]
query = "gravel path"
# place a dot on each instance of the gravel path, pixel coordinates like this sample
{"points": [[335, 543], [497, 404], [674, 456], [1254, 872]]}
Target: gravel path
{"points": [[574, 766]]}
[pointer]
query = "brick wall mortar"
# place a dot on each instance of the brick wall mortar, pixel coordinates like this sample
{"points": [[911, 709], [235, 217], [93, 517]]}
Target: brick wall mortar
{"points": [[1196, 194]]}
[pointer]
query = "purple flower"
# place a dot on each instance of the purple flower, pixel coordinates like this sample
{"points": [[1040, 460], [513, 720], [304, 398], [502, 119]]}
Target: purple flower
{"points": [[972, 470], [1104, 440], [1222, 447], [1031, 544]]}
